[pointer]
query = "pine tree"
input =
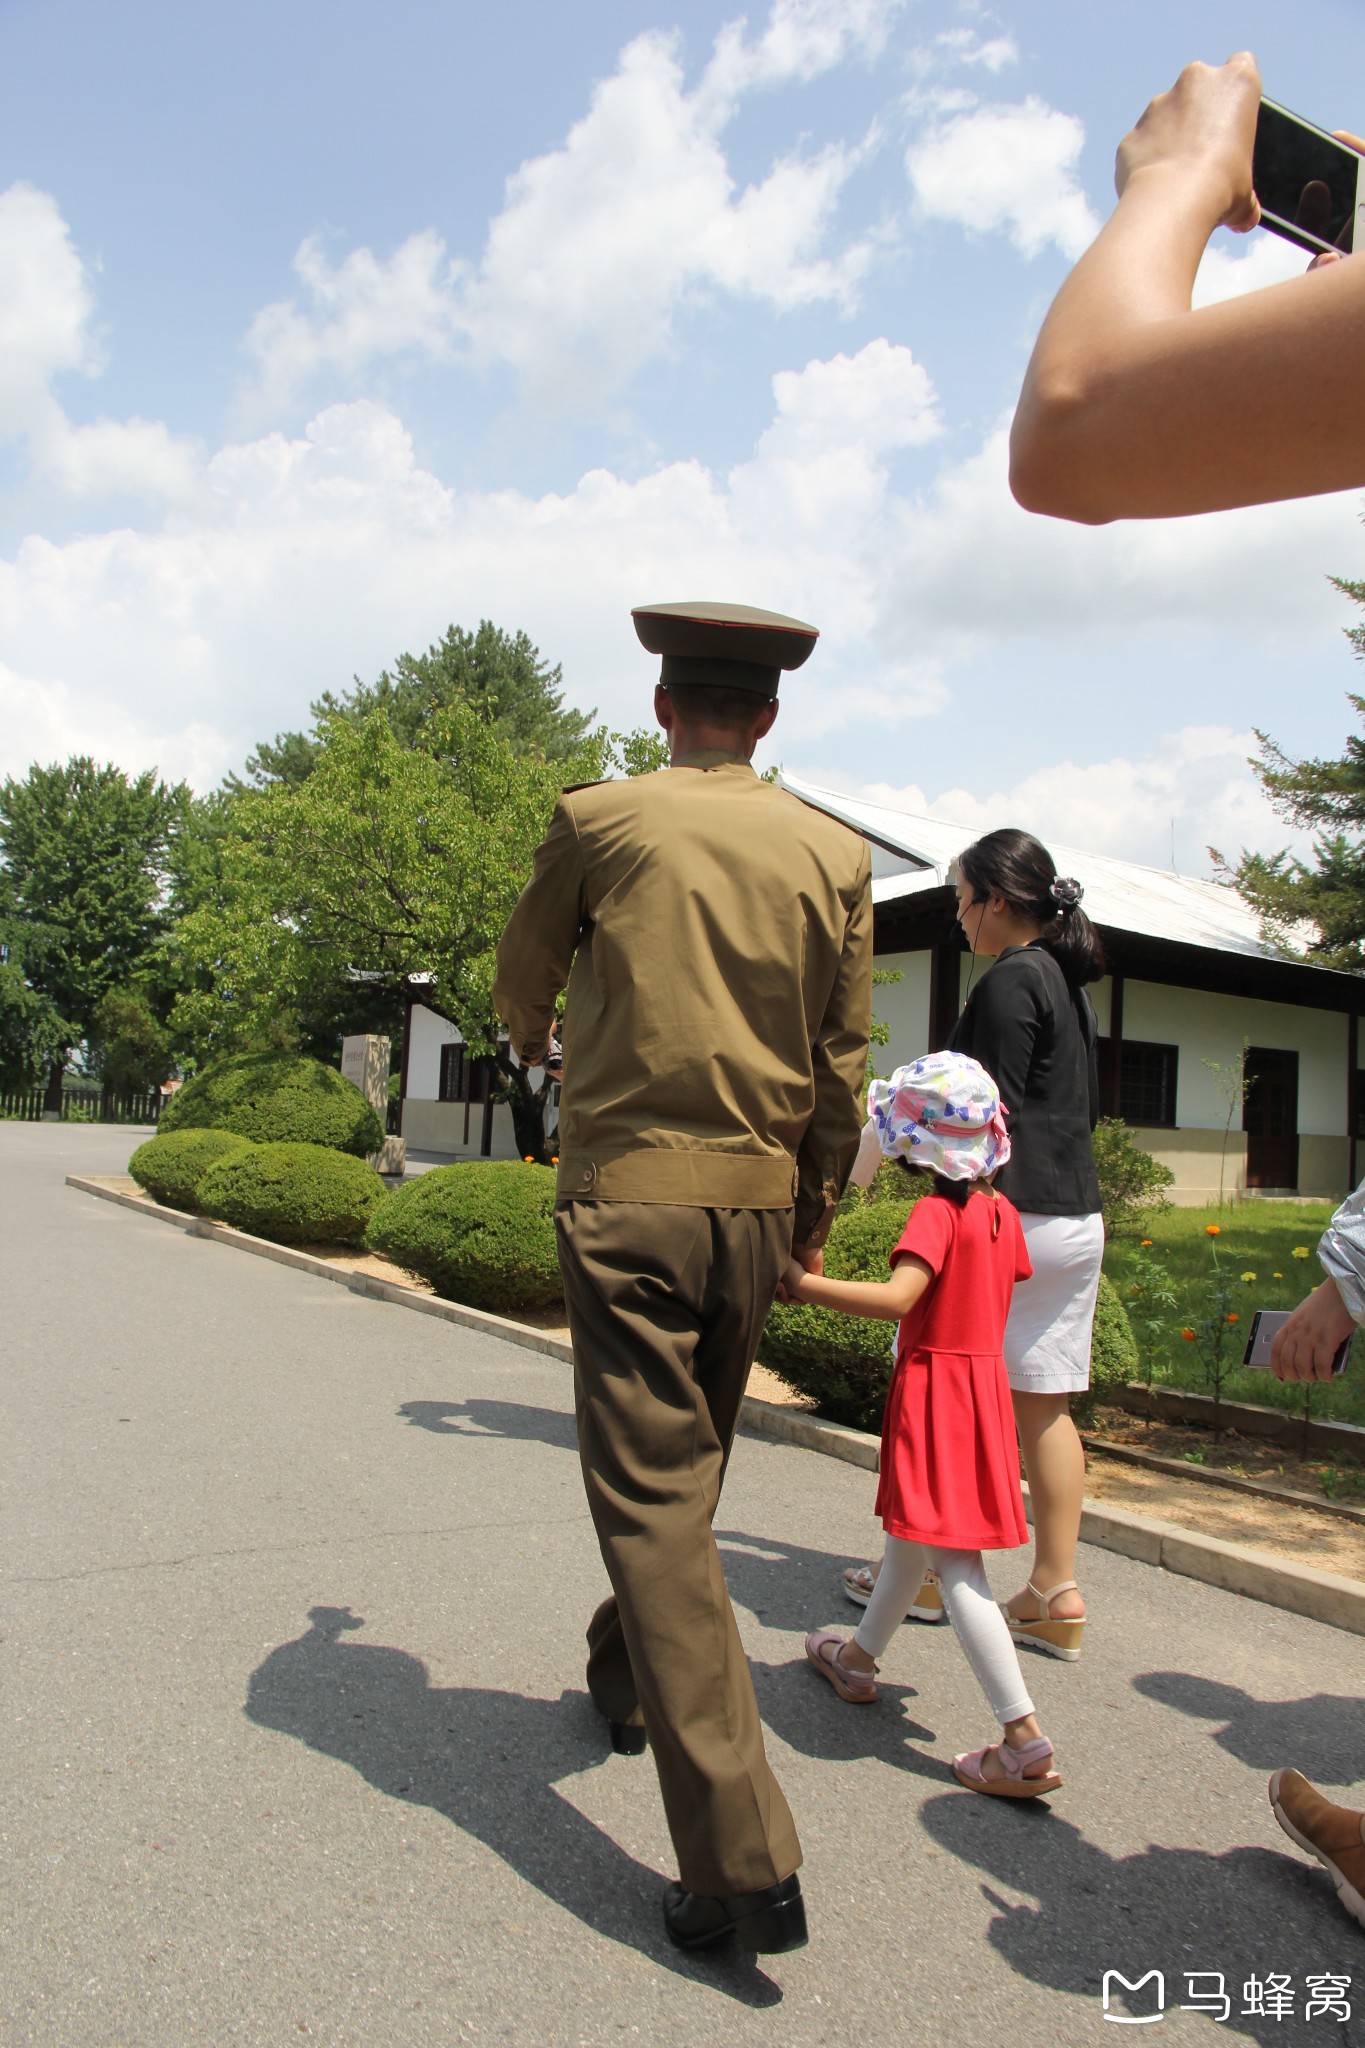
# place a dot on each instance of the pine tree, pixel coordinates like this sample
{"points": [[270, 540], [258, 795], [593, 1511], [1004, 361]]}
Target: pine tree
{"points": [[1315, 908]]}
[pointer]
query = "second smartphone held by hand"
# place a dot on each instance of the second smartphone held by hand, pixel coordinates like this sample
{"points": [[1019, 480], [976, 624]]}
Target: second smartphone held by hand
{"points": [[1264, 1325]]}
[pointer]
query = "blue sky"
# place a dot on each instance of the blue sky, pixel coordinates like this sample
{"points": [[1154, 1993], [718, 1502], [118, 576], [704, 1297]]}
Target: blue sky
{"points": [[323, 326]]}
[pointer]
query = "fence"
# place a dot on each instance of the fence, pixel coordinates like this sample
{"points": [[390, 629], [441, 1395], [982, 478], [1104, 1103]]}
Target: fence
{"points": [[81, 1106]]}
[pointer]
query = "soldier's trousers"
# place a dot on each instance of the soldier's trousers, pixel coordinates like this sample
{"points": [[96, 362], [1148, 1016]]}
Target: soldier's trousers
{"points": [[666, 1307]]}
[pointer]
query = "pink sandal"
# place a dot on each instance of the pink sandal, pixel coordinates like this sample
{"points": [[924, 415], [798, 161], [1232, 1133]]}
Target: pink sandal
{"points": [[1014, 1785], [857, 1687]]}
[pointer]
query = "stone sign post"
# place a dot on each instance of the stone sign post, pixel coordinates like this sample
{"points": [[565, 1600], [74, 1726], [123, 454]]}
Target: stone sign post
{"points": [[365, 1063]]}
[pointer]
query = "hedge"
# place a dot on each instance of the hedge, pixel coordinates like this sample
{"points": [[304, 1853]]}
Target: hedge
{"points": [[481, 1233], [170, 1167], [295, 1194], [845, 1362], [1113, 1349], [277, 1098]]}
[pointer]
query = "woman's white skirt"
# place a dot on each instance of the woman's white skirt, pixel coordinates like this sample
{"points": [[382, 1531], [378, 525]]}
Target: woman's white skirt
{"points": [[1047, 1337]]}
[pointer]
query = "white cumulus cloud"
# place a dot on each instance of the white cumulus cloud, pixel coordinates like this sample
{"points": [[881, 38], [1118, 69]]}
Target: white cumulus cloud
{"points": [[1006, 169], [975, 572], [1231, 268], [1165, 808], [47, 331], [599, 241], [800, 40]]}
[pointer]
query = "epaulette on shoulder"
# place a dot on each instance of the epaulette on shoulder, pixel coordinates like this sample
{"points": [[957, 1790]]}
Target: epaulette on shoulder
{"points": [[573, 788]]}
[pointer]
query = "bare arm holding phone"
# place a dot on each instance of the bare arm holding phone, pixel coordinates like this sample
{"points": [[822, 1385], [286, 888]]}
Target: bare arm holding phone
{"points": [[1137, 407]]}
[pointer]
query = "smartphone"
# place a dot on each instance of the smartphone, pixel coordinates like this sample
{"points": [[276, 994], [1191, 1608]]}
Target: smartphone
{"points": [[1264, 1324], [1310, 186]]}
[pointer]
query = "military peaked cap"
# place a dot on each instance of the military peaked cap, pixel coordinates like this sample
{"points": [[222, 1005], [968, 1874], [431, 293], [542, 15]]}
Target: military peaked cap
{"points": [[733, 646]]}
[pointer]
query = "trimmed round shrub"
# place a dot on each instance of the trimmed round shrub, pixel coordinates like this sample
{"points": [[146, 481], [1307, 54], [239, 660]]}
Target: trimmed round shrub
{"points": [[277, 1098], [170, 1168], [295, 1194], [844, 1362], [1113, 1350], [481, 1233]]}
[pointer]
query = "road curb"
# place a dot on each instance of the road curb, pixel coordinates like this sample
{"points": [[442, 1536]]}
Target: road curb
{"points": [[1322, 1596]]}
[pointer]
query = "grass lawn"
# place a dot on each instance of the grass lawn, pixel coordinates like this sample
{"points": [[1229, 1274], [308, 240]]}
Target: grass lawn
{"points": [[1260, 1238]]}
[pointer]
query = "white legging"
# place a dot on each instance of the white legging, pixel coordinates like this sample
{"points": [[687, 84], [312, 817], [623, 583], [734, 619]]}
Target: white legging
{"points": [[977, 1622]]}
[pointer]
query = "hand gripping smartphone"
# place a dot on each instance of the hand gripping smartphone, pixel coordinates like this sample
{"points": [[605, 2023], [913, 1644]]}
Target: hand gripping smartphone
{"points": [[1264, 1325], [1311, 187]]}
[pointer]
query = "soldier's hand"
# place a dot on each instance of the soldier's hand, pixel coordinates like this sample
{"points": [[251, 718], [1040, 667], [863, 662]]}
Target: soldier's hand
{"points": [[811, 1256]]}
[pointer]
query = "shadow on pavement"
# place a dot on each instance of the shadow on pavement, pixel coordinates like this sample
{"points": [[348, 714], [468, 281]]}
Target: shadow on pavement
{"points": [[1322, 1735], [493, 1418], [791, 1586], [1244, 1915], [488, 1761]]}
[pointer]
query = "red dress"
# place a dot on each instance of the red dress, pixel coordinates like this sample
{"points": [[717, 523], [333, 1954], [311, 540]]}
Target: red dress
{"points": [[950, 1467]]}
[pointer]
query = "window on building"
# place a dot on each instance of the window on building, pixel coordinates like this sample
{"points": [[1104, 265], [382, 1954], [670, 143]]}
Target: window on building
{"points": [[454, 1084], [1147, 1076]]}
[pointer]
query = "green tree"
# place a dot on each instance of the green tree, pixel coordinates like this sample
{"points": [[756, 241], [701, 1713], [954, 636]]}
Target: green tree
{"points": [[1314, 908], [386, 861], [86, 852], [33, 1032], [129, 1047], [502, 676]]}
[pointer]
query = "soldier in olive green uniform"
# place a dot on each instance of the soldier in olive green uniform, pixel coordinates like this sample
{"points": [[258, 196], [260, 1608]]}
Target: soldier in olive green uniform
{"points": [[716, 938]]}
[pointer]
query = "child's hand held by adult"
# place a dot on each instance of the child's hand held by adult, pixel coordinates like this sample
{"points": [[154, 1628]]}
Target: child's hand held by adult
{"points": [[1202, 131]]}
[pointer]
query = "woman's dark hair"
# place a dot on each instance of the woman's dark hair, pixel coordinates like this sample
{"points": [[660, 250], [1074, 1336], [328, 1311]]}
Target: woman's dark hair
{"points": [[1017, 866]]}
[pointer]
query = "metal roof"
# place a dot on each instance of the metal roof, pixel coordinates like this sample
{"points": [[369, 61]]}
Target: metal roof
{"points": [[1154, 902]]}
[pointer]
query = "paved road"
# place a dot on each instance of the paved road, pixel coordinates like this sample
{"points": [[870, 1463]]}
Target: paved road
{"points": [[297, 1745]]}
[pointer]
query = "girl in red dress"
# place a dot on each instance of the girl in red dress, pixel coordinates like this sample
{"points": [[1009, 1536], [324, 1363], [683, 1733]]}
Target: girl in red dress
{"points": [[949, 1484]]}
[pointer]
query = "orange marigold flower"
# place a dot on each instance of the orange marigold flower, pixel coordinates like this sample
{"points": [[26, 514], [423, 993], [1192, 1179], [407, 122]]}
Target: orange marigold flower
{"points": [[1233, 1319], [1188, 1335], [527, 1160], [1146, 1244], [1213, 1230]]}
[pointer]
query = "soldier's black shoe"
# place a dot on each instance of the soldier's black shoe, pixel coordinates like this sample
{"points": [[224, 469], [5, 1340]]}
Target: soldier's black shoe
{"points": [[767, 1923], [628, 1738]]}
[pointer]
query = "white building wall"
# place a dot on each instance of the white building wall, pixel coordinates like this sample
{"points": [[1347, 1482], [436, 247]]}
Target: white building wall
{"points": [[1207, 1026], [452, 1129], [903, 1007], [429, 1033]]}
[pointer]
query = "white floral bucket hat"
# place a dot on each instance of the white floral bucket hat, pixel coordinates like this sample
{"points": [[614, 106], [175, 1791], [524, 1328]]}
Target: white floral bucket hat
{"points": [[943, 1113]]}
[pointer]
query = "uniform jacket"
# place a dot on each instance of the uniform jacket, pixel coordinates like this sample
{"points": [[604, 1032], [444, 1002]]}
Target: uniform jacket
{"points": [[716, 937], [1037, 1040]]}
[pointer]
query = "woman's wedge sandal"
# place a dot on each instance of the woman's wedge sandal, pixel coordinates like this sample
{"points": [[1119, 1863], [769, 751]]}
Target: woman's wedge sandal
{"points": [[1056, 1638], [967, 1769], [859, 1688], [858, 1581]]}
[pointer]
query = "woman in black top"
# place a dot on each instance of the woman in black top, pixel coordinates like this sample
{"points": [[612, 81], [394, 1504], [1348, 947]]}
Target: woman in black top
{"points": [[1031, 1025]]}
